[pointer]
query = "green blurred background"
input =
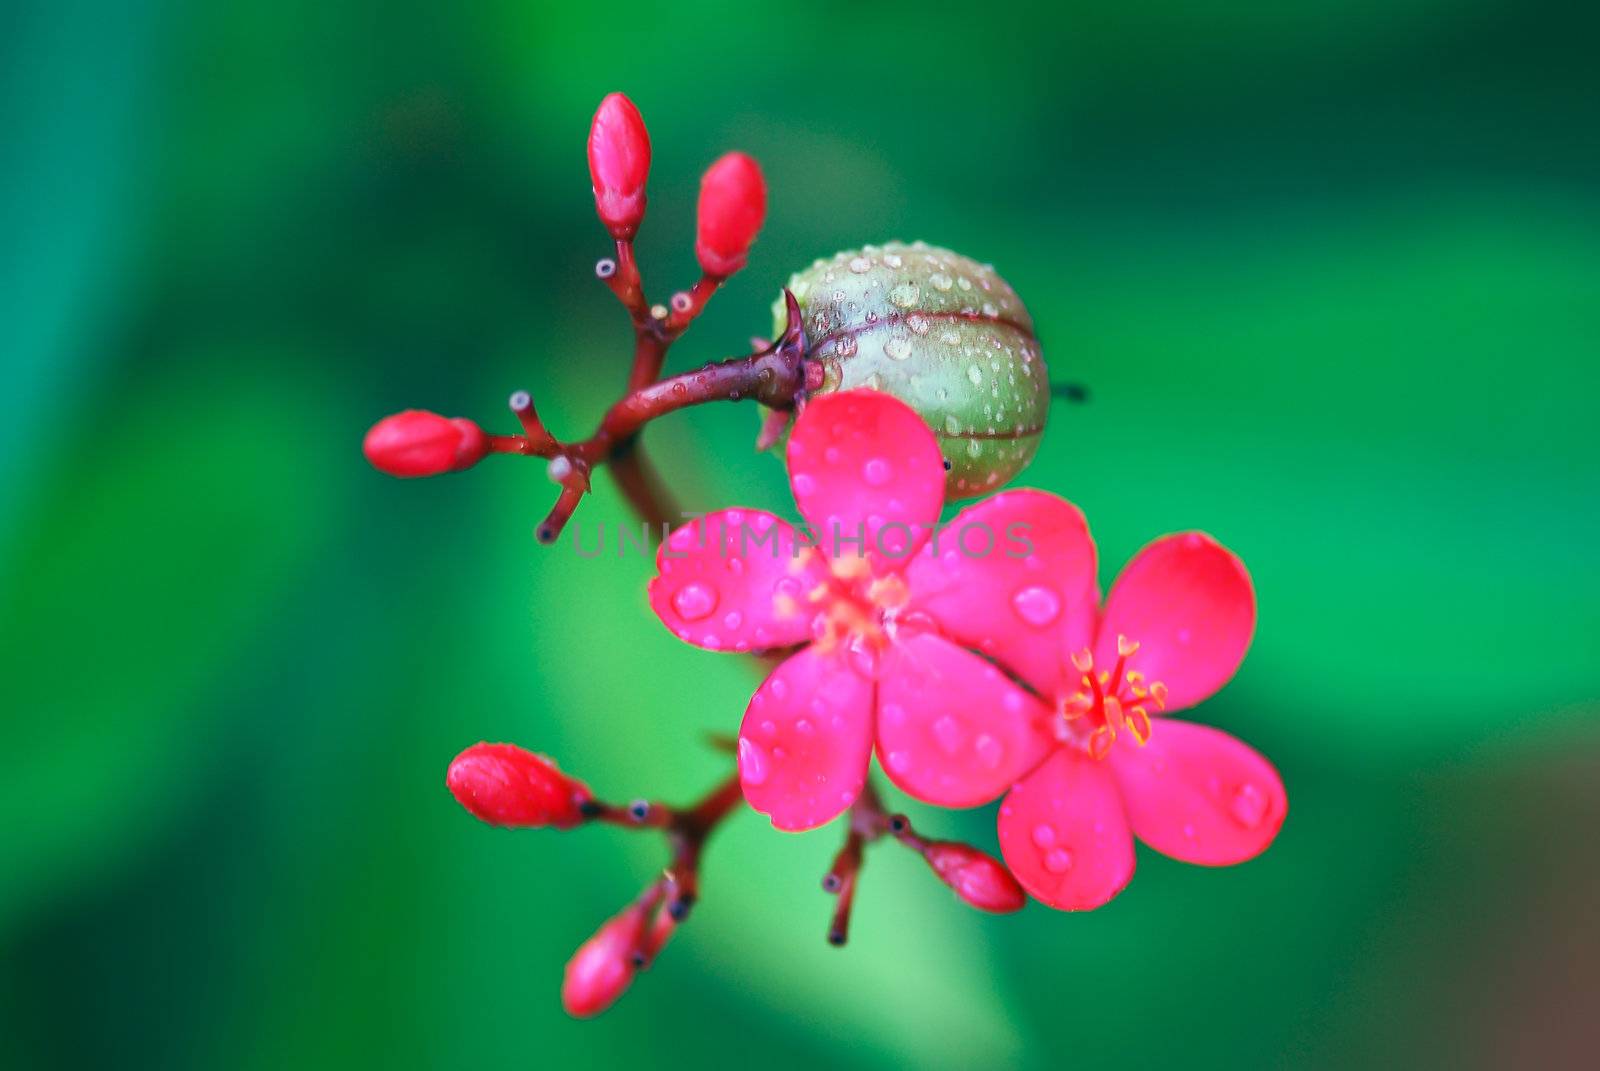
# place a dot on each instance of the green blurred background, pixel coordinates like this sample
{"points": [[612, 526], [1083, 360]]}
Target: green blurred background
{"points": [[1331, 271]]}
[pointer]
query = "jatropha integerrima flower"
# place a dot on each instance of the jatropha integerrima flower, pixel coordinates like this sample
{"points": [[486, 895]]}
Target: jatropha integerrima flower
{"points": [[973, 659]]}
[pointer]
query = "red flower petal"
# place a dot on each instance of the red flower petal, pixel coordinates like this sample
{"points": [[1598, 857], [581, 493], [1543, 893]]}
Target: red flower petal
{"points": [[1197, 794], [806, 740], [867, 475], [1014, 577], [1187, 601], [952, 730], [1064, 834], [732, 580]]}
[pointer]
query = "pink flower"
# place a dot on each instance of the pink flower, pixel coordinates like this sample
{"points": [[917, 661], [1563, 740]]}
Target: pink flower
{"points": [[868, 477], [1173, 631]]}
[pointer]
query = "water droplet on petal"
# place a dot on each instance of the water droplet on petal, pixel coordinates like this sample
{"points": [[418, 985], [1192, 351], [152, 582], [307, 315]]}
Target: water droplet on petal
{"points": [[860, 265], [804, 484], [804, 727], [876, 472], [1036, 605], [1058, 861], [975, 374], [754, 765], [1044, 836], [990, 751], [694, 601], [734, 619], [1249, 806], [947, 733], [899, 761], [905, 295], [845, 347], [897, 348]]}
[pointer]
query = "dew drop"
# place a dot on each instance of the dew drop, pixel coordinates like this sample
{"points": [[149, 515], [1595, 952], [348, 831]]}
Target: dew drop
{"points": [[804, 727], [876, 472], [897, 348], [694, 601], [975, 374], [947, 734], [860, 265], [990, 751], [1249, 806], [1044, 836], [905, 295], [899, 761], [918, 323], [779, 687], [952, 426], [940, 281], [734, 618], [753, 762], [893, 260], [845, 347], [804, 484], [1036, 605], [1058, 861]]}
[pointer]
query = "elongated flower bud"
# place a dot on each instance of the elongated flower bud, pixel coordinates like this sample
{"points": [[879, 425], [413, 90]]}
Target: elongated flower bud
{"points": [[418, 443], [733, 205], [979, 879], [603, 967], [619, 164], [504, 785]]}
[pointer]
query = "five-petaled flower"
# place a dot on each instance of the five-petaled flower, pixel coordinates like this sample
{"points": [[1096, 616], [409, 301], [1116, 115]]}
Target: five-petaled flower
{"points": [[869, 479], [1102, 769]]}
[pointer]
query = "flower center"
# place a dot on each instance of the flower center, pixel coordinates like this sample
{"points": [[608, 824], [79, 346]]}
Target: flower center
{"points": [[851, 606], [1108, 701]]}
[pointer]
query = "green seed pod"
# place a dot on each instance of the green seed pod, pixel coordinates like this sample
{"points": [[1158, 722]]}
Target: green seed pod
{"points": [[944, 334]]}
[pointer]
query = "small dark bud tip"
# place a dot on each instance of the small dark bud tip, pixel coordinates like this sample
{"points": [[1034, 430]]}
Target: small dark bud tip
{"points": [[679, 909], [639, 809], [589, 809], [545, 534], [836, 938], [898, 824], [831, 883]]}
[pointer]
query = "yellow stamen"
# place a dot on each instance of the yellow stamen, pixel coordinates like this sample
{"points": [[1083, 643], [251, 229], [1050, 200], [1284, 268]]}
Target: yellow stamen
{"points": [[1083, 661], [1125, 646], [1100, 742], [1139, 725], [1158, 692]]}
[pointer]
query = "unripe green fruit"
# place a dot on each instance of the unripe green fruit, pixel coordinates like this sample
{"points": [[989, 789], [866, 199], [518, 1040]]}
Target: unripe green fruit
{"points": [[944, 334]]}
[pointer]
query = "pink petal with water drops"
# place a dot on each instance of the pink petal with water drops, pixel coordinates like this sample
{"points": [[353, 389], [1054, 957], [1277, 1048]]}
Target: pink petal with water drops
{"points": [[1188, 602], [1014, 577], [1197, 794], [952, 729], [806, 740], [1064, 834], [731, 581], [863, 464]]}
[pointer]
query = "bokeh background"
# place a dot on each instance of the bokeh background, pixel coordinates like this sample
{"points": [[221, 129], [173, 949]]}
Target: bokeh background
{"points": [[1331, 271]]}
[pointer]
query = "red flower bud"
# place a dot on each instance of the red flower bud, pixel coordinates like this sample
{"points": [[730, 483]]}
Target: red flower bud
{"points": [[619, 164], [417, 443], [603, 967], [733, 205], [504, 785], [980, 880]]}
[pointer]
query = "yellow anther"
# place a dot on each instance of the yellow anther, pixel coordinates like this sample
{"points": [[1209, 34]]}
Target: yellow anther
{"points": [[1100, 742], [1105, 679], [1134, 677], [1077, 706], [1158, 692], [890, 591], [818, 593], [850, 567], [1083, 661], [1113, 712], [1139, 725], [1125, 646], [1138, 692]]}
